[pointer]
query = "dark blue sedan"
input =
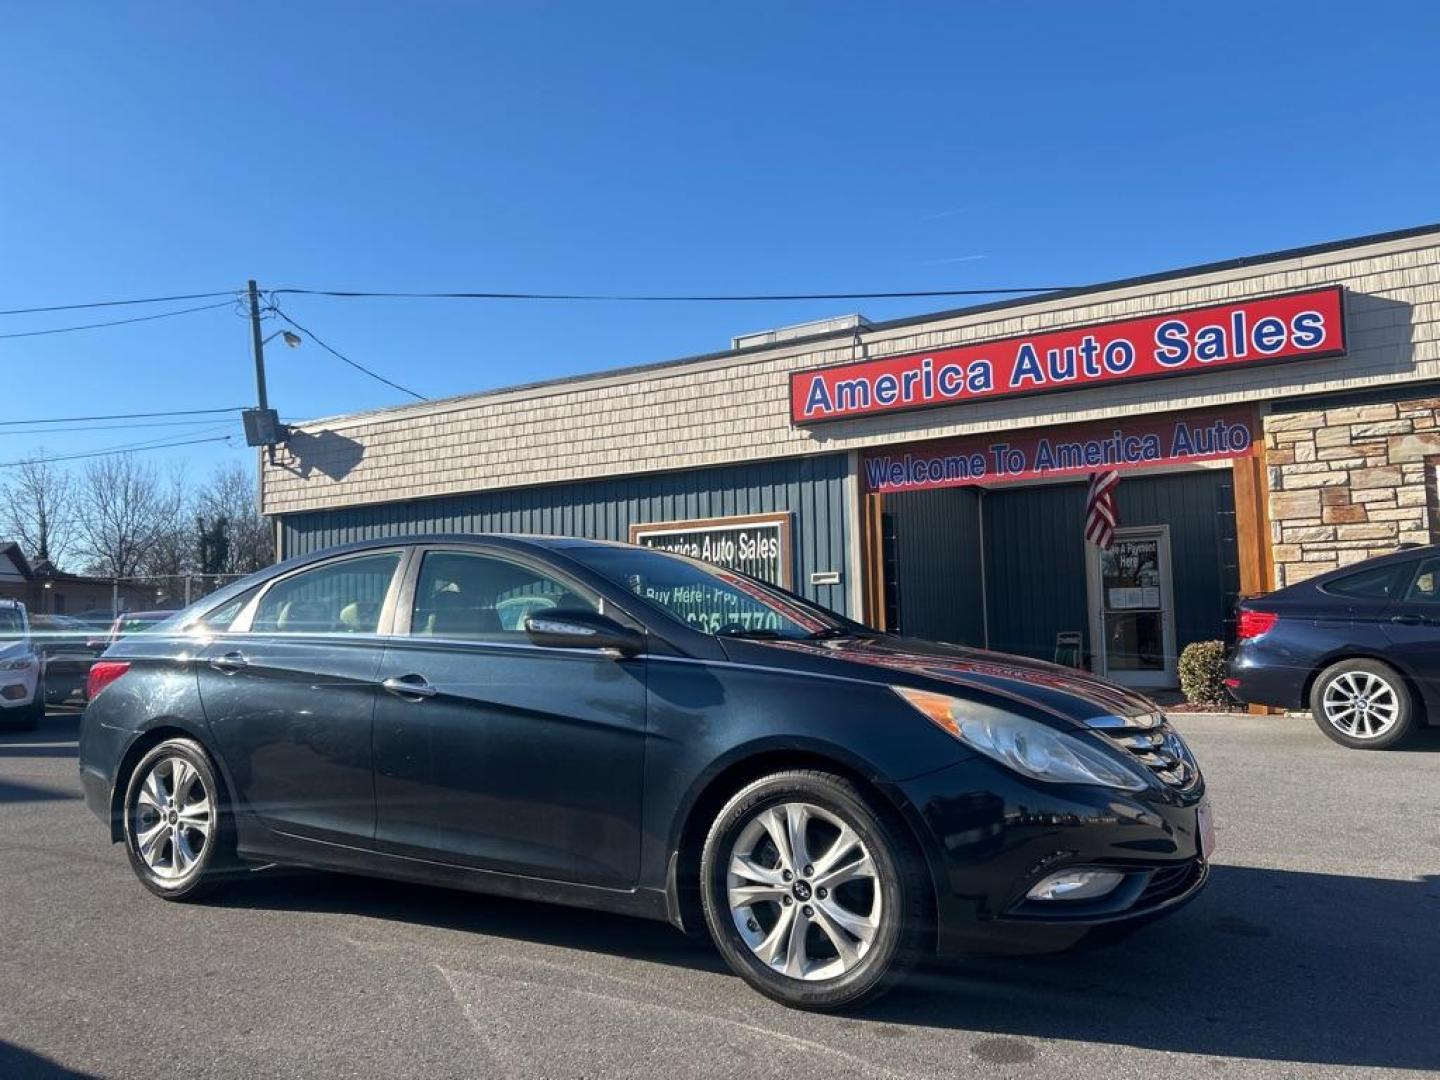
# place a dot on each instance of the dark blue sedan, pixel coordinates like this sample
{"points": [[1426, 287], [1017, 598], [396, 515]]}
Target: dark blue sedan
{"points": [[623, 729], [1359, 647]]}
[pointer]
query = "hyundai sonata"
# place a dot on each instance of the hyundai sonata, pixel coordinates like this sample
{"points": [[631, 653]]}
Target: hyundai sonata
{"points": [[624, 729]]}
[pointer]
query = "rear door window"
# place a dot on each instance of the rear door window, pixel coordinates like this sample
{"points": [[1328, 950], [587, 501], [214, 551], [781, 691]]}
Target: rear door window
{"points": [[344, 597]]}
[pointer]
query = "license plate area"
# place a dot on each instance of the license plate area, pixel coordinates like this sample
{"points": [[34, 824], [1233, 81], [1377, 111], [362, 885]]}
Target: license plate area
{"points": [[1205, 830]]}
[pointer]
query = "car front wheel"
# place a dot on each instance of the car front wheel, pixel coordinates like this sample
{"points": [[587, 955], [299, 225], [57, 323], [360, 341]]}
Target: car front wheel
{"points": [[174, 831], [1362, 704], [812, 894]]}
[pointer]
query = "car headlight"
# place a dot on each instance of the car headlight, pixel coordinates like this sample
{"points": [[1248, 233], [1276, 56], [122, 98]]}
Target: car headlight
{"points": [[1028, 747], [22, 664]]}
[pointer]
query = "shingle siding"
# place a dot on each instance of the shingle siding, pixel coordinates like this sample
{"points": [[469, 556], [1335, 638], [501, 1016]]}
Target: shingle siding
{"points": [[812, 489], [735, 407]]}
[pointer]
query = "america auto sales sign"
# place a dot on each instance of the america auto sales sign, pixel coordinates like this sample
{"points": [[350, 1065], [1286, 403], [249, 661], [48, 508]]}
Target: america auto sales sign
{"points": [[1274, 329]]}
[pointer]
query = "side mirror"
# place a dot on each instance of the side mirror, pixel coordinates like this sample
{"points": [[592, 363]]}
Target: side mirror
{"points": [[569, 628]]}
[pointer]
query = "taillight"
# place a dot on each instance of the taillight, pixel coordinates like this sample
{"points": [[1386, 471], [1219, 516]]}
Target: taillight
{"points": [[1254, 623], [102, 674]]}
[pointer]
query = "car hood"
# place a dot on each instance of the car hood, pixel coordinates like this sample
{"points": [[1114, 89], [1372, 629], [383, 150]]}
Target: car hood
{"points": [[1063, 693], [14, 650]]}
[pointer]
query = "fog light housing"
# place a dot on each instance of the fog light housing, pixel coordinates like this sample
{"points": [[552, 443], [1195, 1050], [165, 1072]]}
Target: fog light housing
{"points": [[1076, 885], [14, 692]]}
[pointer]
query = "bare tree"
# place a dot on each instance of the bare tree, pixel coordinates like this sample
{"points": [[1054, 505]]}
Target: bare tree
{"points": [[123, 512], [230, 497], [37, 504]]}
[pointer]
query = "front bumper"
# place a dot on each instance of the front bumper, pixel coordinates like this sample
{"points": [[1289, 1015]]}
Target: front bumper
{"points": [[992, 835], [17, 688]]}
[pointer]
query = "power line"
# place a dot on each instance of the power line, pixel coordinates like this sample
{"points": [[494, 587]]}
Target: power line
{"points": [[723, 298], [335, 352], [117, 322], [121, 303], [136, 448], [104, 427], [123, 416], [899, 294]]}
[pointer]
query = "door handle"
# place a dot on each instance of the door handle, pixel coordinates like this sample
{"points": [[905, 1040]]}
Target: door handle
{"points": [[1407, 620], [412, 687], [230, 663]]}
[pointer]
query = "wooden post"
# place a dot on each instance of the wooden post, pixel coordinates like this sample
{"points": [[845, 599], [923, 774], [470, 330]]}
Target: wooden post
{"points": [[1252, 529], [1252, 524]]}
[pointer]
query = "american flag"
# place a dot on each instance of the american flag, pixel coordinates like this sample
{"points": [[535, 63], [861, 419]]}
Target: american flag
{"points": [[1100, 509]]}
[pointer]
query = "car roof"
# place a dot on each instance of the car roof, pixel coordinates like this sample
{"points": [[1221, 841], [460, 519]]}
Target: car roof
{"points": [[1408, 554], [1419, 551]]}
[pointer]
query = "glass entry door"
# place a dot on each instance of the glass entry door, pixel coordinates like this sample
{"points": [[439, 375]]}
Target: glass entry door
{"points": [[1132, 609]]}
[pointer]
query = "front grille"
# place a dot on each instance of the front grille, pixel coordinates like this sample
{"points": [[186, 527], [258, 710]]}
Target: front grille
{"points": [[1168, 882], [1154, 743]]}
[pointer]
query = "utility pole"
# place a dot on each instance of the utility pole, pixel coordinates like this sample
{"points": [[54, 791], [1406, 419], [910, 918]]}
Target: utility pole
{"points": [[262, 423], [258, 342]]}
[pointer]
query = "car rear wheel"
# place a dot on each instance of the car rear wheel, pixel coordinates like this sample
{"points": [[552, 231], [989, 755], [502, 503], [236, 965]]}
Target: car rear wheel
{"points": [[175, 833], [1362, 704], [812, 894]]}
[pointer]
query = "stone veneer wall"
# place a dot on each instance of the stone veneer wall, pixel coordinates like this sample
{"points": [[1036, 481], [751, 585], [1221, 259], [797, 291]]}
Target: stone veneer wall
{"points": [[1351, 482]]}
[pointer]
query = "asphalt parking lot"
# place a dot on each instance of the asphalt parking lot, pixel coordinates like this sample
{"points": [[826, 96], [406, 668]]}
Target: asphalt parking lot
{"points": [[1315, 952]]}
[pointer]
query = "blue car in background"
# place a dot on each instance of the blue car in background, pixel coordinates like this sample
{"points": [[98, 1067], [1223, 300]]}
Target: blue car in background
{"points": [[1359, 647]]}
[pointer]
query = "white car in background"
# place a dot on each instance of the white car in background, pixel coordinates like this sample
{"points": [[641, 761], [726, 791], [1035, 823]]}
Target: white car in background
{"points": [[22, 676]]}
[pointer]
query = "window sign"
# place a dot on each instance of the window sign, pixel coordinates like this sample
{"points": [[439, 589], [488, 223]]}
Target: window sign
{"points": [[758, 544]]}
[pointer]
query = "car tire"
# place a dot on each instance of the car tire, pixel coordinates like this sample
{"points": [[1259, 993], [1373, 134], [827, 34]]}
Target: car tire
{"points": [[832, 928], [1362, 704], [176, 829], [36, 711]]}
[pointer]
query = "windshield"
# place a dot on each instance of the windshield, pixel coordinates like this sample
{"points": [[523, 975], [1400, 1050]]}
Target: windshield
{"points": [[12, 626], [709, 598]]}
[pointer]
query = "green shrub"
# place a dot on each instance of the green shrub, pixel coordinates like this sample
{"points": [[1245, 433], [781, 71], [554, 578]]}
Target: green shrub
{"points": [[1202, 673]]}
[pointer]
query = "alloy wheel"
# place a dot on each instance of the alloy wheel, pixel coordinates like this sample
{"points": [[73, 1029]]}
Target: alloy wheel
{"points": [[804, 891], [173, 819], [1360, 704]]}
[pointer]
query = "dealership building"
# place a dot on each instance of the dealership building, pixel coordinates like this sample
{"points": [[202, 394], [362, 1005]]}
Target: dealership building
{"points": [[1268, 418]]}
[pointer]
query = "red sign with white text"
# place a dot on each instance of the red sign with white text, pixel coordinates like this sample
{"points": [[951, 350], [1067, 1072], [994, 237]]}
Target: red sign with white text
{"points": [[1063, 452], [1294, 326]]}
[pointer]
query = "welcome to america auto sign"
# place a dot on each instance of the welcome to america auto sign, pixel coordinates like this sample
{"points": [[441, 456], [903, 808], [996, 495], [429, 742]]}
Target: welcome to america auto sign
{"points": [[1062, 453], [1294, 326]]}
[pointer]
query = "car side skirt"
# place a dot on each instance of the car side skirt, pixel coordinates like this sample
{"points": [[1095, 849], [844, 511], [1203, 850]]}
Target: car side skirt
{"points": [[289, 850]]}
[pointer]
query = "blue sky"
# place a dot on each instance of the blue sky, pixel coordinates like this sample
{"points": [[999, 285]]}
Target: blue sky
{"points": [[152, 149]]}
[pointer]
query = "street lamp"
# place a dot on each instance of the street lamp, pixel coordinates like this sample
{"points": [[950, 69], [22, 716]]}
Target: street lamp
{"points": [[291, 339]]}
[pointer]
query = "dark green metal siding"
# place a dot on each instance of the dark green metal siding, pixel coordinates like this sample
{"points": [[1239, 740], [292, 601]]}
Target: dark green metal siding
{"points": [[811, 488], [937, 562], [1035, 554]]}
